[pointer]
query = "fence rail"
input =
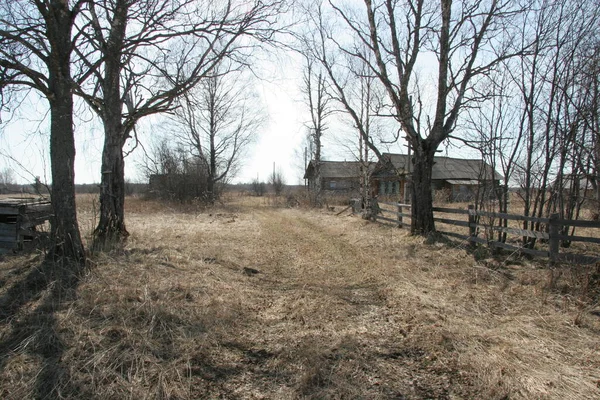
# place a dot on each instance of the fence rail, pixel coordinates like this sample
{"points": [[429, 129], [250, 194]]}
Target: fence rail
{"points": [[551, 236]]}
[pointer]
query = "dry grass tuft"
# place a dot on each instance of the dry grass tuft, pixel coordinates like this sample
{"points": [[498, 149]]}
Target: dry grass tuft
{"points": [[248, 300]]}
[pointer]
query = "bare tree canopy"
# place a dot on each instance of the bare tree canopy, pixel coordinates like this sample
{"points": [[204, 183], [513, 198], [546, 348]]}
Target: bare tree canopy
{"points": [[143, 55], [540, 123], [216, 121], [458, 42], [319, 103]]}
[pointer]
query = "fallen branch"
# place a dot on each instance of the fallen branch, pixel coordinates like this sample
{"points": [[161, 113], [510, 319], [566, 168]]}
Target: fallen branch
{"points": [[343, 210]]}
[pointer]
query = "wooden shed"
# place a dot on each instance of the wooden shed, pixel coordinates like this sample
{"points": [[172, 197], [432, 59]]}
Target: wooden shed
{"points": [[19, 219], [337, 176]]}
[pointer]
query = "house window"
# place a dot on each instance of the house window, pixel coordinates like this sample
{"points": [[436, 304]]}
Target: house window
{"points": [[332, 184], [389, 187]]}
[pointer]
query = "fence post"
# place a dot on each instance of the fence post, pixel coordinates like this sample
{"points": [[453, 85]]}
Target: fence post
{"points": [[553, 242], [472, 228], [399, 215]]}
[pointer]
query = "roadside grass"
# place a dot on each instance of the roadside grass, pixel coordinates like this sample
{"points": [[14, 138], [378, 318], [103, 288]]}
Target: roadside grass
{"points": [[246, 300]]}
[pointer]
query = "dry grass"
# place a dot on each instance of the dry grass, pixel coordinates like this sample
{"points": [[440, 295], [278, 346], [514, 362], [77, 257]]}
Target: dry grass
{"points": [[251, 301]]}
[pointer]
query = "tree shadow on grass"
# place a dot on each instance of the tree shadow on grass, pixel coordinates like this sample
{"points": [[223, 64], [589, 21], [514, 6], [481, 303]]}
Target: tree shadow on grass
{"points": [[28, 311]]}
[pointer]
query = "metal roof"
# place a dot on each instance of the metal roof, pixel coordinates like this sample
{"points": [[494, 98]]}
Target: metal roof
{"points": [[447, 168], [337, 169]]}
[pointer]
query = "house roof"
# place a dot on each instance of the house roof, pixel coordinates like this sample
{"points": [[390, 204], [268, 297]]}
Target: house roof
{"points": [[569, 180], [446, 168], [337, 169]]}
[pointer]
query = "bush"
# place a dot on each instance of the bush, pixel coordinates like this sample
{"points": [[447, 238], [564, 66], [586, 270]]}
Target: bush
{"points": [[258, 188]]}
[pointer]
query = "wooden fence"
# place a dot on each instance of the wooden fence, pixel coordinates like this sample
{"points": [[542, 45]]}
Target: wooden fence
{"points": [[483, 226]]}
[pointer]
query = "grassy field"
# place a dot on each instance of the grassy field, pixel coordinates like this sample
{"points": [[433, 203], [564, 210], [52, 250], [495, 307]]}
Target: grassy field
{"points": [[253, 301]]}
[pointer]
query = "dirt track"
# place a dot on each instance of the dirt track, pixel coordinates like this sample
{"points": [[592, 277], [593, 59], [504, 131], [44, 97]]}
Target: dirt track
{"points": [[321, 320]]}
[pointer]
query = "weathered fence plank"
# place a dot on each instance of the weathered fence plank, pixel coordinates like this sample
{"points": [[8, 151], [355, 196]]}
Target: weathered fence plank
{"points": [[451, 221], [578, 223], [515, 231], [583, 239], [511, 217], [450, 210], [553, 236]]}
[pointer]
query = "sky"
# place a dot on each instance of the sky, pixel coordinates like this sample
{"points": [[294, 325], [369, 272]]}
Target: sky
{"points": [[24, 140]]}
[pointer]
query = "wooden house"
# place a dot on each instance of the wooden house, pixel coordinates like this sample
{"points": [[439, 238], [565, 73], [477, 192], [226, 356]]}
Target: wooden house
{"points": [[337, 176], [460, 179]]}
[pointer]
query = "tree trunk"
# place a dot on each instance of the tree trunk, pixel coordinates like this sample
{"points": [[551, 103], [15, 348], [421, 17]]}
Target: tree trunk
{"points": [[65, 235], [65, 229], [111, 226], [597, 171], [421, 194], [212, 170], [318, 194]]}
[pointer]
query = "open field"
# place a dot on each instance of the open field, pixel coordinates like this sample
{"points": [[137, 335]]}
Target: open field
{"points": [[250, 301]]}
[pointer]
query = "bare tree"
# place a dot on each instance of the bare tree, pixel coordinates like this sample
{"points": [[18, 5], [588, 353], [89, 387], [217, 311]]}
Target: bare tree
{"points": [[145, 54], [216, 121], [318, 101], [463, 40], [496, 133], [258, 187], [548, 121], [532, 124], [588, 91], [7, 178], [277, 181], [36, 45]]}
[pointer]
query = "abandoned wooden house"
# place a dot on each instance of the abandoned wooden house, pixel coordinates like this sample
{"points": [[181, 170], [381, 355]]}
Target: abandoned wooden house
{"points": [[337, 176], [457, 179]]}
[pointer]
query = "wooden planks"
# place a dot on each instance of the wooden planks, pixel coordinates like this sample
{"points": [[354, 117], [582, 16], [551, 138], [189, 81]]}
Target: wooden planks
{"points": [[18, 219]]}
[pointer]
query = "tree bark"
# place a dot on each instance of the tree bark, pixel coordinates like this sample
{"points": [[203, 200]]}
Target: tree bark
{"points": [[65, 235], [421, 194], [111, 226], [212, 171]]}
